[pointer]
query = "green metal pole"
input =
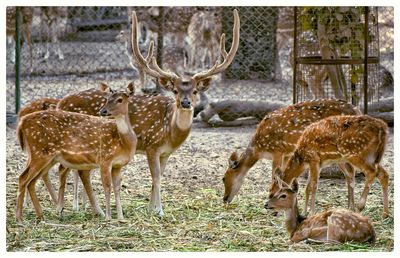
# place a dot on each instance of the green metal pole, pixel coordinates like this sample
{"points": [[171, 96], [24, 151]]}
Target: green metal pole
{"points": [[18, 22], [366, 13]]}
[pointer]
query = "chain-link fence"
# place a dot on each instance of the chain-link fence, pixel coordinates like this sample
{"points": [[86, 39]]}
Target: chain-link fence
{"points": [[73, 48]]}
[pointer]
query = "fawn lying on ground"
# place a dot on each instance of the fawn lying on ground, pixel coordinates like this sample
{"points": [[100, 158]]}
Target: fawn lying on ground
{"points": [[336, 225]]}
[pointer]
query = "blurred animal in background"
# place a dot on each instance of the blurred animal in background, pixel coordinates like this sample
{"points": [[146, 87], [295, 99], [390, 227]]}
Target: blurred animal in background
{"points": [[26, 27]]}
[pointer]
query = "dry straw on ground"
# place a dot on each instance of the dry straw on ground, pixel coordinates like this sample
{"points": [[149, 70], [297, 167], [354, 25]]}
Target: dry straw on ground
{"points": [[196, 218]]}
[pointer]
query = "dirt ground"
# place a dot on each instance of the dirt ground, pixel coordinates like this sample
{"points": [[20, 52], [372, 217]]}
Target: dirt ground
{"points": [[196, 218]]}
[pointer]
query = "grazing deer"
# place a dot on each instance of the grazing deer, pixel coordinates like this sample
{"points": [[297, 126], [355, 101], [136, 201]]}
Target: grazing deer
{"points": [[276, 137], [26, 27], [332, 226], [80, 142], [357, 140]]}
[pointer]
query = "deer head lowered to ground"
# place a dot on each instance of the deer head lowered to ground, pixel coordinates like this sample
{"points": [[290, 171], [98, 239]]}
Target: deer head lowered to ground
{"points": [[336, 225], [80, 142], [357, 140], [276, 137]]}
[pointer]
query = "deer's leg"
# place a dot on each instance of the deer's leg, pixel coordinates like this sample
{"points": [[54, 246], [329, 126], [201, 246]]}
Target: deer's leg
{"points": [[105, 171], [276, 162], [370, 174], [312, 185], [349, 175], [31, 171], [318, 233], [52, 192], [32, 190], [155, 200], [116, 180], [383, 178], [75, 202], [55, 41], [163, 163], [62, 173], [85, 178]]}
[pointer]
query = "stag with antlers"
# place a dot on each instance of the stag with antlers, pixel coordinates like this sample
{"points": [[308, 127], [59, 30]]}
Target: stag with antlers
{"points": [[161, 124]]}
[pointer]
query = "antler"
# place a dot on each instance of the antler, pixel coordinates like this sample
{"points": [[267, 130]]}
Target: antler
{"points": [[142, 62], [228, 57]]}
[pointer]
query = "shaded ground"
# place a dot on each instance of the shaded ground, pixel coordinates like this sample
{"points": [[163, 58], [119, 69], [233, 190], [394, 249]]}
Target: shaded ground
{"points": [[196, 219]]}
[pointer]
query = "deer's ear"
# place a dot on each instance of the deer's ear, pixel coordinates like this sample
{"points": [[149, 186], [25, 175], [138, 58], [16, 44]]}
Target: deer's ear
{"points": [[233, 160], [204, 84], [130, 90], [278, 173], [294, 186], [104, 87], [166, 83]]}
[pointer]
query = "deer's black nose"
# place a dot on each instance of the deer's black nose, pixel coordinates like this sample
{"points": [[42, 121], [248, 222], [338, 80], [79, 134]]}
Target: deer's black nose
{"points": [[103, 112], [266, 206], [185, 103]]}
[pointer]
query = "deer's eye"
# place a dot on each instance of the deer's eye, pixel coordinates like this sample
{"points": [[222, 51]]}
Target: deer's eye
{"points": [[195, 92], [119, 100], [283, 196], [175, 92]]}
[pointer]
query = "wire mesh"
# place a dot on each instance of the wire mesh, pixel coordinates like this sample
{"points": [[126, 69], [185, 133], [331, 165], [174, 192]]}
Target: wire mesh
{"points": [[73, 48], [337, 34]]}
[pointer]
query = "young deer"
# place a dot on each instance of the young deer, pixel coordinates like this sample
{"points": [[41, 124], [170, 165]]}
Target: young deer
{"points": [[336, 225], [86, 102], [162, 125], [40, 105], [357, 140], [276, 137], [80, 142]]}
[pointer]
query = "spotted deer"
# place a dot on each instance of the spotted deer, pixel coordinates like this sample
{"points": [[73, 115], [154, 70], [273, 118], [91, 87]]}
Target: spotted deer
{"points": [[162, 124], [332, 226], [53, 19], [26, 27], [77, 141], [276, 137], [125, 37], [39, 105], [203, 39], [359, 141], [86, 102]]}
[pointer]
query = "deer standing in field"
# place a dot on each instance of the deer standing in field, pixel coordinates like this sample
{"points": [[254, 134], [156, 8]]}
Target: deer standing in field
{"points": [[203, 39], [357, 140], [53, 18], [332, 226], [80, 142], [26, 27], [162, 124], [86, 102], [276, 137], [40, 105]]}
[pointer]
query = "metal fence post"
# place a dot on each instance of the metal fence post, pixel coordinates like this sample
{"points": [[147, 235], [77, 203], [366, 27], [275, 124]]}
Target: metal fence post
{"points": [[18, 22], [160, 38], [366, 10]]}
